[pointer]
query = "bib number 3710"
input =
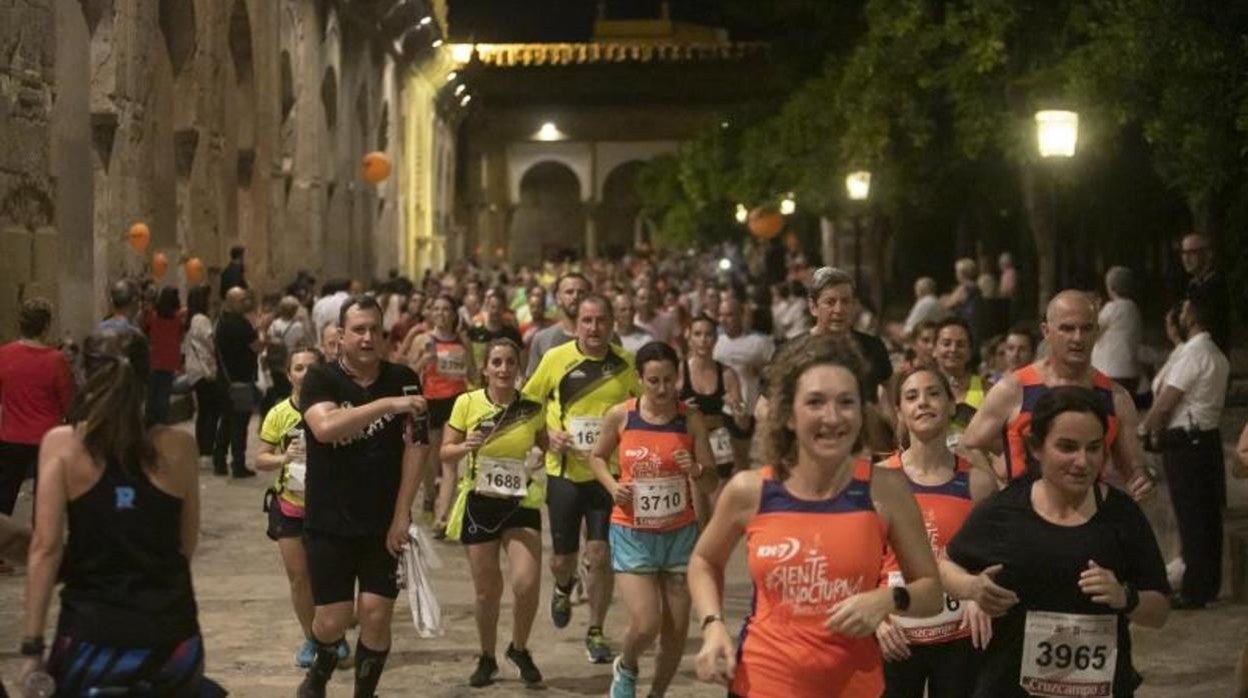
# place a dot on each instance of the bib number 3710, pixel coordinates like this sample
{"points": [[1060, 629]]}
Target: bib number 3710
{"points": [[1067, 654], [657, 500]]}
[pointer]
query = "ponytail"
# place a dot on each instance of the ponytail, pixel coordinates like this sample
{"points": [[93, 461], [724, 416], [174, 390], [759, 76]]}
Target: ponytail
{"points": [[111, 409]]}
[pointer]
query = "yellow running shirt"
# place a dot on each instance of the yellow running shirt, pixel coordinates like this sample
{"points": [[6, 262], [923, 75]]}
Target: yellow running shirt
{"points": [[275, 431], [577, 391], [510, 432]]}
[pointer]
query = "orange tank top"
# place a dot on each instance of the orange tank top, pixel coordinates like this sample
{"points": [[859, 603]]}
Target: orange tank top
{"points": [[661, 495], [804, 557], [447, 375], [1018, 460], [944, 508]]}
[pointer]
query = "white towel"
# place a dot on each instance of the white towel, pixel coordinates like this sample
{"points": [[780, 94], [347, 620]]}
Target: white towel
{"points": [[419, 557]]}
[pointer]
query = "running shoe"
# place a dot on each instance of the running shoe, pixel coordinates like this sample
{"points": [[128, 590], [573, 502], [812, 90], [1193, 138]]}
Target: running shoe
{"points": [[344, 654], [308, 690], [623, 680], [596, 648], [560, 608], [523, 662], [305, 655], [487, 669]]}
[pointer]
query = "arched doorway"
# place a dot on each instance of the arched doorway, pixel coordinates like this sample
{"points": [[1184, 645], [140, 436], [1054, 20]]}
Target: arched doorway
{"points": [[550, 219], [618, 214]]}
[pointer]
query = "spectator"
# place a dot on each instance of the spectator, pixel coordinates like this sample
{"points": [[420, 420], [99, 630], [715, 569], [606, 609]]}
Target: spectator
{"points": [[164, 326], [1207, 282], [1184, 425], [35, 393], [238, 344], [966, 298], [631, 336], [926, 305], [1008, 286], [123, 299], [325, 311], [789, 310], [834, 305], [1019, 348], [286, 328], [232, 275], [661, 325], [1122, 330], [200, 355], [331, 339]]}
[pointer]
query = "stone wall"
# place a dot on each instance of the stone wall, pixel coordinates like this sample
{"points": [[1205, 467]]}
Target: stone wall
{"points": [[215, 122]]}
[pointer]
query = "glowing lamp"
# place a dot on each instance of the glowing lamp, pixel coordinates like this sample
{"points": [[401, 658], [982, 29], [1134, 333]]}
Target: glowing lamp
{"points": [[1057, 133]]}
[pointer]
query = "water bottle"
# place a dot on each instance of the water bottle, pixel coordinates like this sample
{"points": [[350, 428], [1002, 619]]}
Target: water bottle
{"points": [[38, 684]]}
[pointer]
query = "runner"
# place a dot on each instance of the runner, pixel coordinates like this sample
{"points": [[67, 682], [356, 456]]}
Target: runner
{"points": [[1063, 561], [1002, 422], [443, 360], [578, 382], [130, 498], [747, 354], [364, 459], [496, 322], [953, 358], [815, 524], [662, 449], [499, 504], [282, 449], [715, 391], [933, 654], [570, 288]]}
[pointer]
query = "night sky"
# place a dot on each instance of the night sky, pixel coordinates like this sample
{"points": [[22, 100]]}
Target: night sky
{"points": [[562, 20]]}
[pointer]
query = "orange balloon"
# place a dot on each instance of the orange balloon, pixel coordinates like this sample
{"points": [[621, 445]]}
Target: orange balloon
{"points": [[376, 167], [499, 252], [160, 264], [139, 236], [194, 270], [765, 222]]}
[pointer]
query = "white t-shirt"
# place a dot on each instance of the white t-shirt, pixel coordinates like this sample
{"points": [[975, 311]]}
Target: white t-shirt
{"points": [[925, 308], [1116, 352], [791, 317], [326, 310], [635, 340], [747, 354], [1201, 371], [663, 327]]}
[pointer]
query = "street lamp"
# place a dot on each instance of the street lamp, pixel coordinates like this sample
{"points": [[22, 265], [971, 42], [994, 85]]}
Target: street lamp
{"points": [[787, 205], [1057, 132], [858, 188], [742, 214], [549, 132]]}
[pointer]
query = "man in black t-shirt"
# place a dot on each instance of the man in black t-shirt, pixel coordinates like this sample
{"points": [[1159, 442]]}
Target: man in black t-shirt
{"points": [[834, 305], [366, 442], [238, 344]]}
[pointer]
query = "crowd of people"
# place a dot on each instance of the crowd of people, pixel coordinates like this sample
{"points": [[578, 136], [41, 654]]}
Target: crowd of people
{"points": [[942, 506]]}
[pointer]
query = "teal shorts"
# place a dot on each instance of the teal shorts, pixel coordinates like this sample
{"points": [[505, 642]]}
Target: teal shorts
{"points": [[644, 552]]}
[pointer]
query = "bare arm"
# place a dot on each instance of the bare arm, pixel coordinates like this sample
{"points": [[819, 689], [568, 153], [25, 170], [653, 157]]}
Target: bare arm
{"points": [[48, 544], [1163, 407], [330, 423], [456, 444], [270, 457], [907, 535], [1153, 610], [727, 526], [702, 453], [1000, 404], [732, 394], [607, 442], [413, 464]]}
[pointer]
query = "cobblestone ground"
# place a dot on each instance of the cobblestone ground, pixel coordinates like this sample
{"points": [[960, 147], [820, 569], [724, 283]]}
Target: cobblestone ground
{"points": [[251, 633]]}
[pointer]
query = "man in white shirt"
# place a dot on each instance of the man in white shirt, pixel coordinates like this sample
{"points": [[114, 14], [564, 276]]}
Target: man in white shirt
{"points": [[326, 309], [747, 353], [662, 326], [631, 336], [1183, 425], [926, 305]]}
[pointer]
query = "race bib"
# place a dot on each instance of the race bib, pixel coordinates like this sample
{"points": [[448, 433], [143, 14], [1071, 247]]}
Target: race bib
{"points": [[296, 476], [721, 446], [452, 361], [932, 629], [584, 431], [501, 477], [657, 501], [1067, 654]]}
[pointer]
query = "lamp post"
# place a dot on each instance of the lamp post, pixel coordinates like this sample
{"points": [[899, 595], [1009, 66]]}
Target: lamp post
{"points": [[858, 188], [1057, 135]]}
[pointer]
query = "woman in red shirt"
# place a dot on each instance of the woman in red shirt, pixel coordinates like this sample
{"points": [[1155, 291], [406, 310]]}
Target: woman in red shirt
{"points": [[35, 392], [164, 326]]}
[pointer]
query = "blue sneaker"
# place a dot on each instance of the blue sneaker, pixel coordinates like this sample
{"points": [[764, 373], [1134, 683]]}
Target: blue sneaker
{"points": [[560, 608], [344, 654], [596, 649], [623, 680], [306, 654]]}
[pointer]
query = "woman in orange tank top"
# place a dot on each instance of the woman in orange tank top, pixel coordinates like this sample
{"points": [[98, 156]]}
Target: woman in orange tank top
{"points": [[816, 524], [663, 448], [933, 656]]}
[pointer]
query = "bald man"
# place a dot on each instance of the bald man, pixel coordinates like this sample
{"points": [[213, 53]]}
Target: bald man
{"points": [[1003, 421], [238, 345]]}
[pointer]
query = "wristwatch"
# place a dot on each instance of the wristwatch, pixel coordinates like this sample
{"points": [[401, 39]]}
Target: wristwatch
{"points": [[1133, 597], [901, 598], [711, 618], [32, 647]]}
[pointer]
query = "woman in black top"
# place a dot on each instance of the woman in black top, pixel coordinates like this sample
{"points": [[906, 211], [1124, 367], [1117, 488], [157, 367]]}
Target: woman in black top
{"points": [[1063, 562], [130, 497]]}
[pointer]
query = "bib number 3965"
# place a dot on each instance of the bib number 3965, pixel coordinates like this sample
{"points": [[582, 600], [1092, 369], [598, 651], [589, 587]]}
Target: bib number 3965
{"points": [[1066, 654], [721, 446]]}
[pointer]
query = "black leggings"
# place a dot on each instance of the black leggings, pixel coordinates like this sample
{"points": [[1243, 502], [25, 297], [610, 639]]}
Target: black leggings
{"points": [[947, 670]]}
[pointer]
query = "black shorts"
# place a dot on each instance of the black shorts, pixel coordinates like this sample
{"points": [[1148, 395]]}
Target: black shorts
{"points": [[486, 518], [725, 470], [737, 432], [283, 526], [336, 564], [568, 503], [440, 411]]}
